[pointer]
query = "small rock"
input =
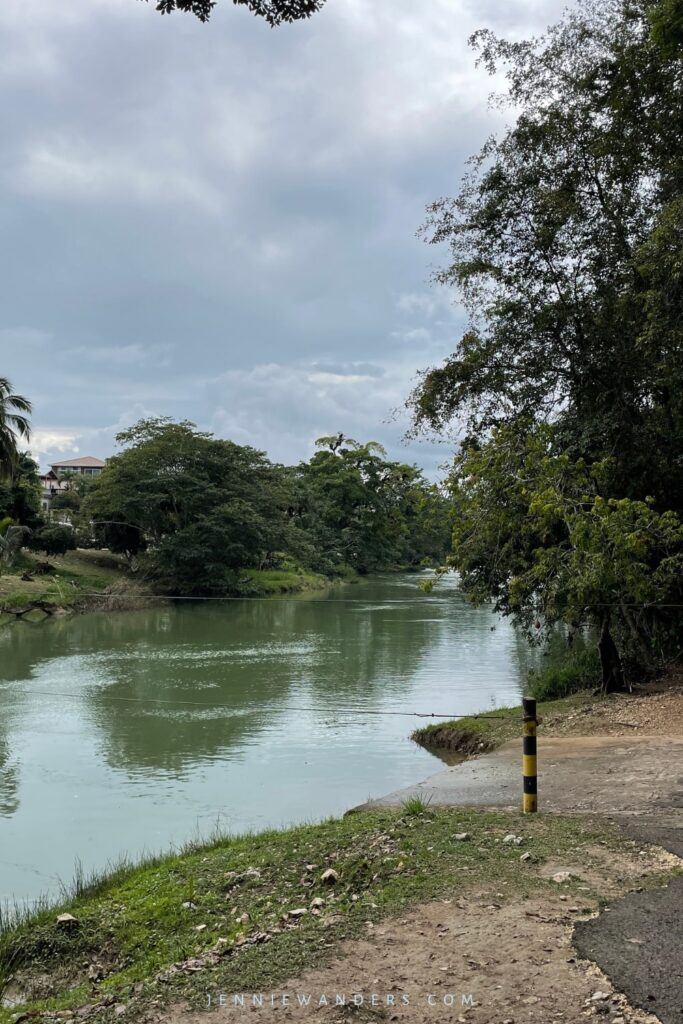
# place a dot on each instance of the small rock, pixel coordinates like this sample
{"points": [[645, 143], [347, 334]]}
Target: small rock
{"points": [[527, 858], [512, 840], [462, 836], [329, 877], [118, 1010], [201, 927], [598, 997], [317, 903], [189, 905], [66, 921], [562, 876], [243, 919], [299, 912]]}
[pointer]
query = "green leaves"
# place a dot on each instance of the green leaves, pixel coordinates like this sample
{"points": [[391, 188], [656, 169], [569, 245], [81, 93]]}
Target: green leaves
{"points": [[274, 12], [533, 533]]}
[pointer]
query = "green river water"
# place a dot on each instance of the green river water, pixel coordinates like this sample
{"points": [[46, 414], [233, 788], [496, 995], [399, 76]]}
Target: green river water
{"points": [[129, 732]]}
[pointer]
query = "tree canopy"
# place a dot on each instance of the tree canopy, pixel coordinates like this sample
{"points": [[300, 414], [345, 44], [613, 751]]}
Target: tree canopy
{"points": [[196, 509], [565, 245], [14, 424], [275, 12]]}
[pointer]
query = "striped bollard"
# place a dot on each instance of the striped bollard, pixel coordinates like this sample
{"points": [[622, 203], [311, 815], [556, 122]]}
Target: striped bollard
{"points": [[530, 791]]}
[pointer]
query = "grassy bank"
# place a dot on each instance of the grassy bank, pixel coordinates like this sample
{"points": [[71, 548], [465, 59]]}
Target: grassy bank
{"points": [[92, 580], [246, 913], [76, 581], [295, 580], [479, 734]]}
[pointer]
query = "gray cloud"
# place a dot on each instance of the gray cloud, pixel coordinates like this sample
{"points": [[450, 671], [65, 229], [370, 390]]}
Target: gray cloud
{"points": [[219, 221]]}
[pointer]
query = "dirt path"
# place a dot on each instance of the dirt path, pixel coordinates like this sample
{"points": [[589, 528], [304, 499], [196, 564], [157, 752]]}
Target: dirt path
{"points": [[471, 959], [485, 959]]}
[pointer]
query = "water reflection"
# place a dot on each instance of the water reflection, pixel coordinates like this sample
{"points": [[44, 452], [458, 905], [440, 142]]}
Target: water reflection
{"points": [[127, 729]]}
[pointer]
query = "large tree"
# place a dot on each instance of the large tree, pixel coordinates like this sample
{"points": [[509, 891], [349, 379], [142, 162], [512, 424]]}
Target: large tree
{"points": [[565, 245], [275, 12], [204, 507]]}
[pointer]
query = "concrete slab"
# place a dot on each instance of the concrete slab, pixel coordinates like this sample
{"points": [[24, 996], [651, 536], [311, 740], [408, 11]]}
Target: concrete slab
{"points": [[615, 776]]}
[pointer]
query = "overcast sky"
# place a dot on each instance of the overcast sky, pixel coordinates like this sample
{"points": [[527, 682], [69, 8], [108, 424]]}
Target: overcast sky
{"points": [[218, 221]]}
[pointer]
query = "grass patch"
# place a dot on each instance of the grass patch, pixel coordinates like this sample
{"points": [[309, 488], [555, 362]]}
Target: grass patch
{"points": [[219, 915], [479, 734], [73, 577], [415, 805], [259, 582]]}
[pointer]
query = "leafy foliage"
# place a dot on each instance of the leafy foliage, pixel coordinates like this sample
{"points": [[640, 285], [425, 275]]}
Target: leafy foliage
{"points": [[565, 244], [275, 12], [14, 424], [12, 537], [203, 509], [53, 540], [20, 495]]}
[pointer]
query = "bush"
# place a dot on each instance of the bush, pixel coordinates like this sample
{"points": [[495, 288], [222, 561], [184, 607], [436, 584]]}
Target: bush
{"points": [[580, 671], [53, 540]]}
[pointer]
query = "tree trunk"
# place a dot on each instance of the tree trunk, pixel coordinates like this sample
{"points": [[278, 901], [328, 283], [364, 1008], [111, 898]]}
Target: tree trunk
{"points": [[646, 659], [610, 661]]}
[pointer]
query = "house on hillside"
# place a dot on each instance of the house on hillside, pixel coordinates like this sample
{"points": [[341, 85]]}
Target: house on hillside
{"points": [[55, 480]]}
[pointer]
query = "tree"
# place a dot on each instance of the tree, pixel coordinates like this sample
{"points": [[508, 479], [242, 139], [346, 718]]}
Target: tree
{"points": [[12, 537], [14, 424], [369, 512], [565, 245], [275, 12], [203, 507], [53, 540], [552, 241], [20, 495], [533, 533]]}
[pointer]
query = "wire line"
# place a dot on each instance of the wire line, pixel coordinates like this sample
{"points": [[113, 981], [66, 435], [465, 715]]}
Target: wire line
{"points": [[286, 707]]}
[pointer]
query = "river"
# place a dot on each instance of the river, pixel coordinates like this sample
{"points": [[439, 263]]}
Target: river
{"points": [[130, 732]]}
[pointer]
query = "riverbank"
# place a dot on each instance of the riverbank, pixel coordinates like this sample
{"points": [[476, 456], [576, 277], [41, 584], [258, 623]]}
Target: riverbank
{"points": [[94, 580], [655, 708], [82, 580], [250, 914]]}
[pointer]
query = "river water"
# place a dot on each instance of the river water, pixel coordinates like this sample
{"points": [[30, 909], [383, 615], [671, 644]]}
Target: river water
{"points": [[130, 732]]}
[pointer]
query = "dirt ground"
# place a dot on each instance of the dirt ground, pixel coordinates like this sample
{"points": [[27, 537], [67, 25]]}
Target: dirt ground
{"points": [[484, 959], [473, 959], [655, 713]]}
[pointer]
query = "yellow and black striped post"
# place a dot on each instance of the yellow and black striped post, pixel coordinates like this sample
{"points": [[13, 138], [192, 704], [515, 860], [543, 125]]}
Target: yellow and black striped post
{"points": [[530, 791]]}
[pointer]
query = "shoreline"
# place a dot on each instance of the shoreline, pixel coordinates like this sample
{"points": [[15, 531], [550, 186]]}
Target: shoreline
{"points": [[87, 581], [248, 912]]}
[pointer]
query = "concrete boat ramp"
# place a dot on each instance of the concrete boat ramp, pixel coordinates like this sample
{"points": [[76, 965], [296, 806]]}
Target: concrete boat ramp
{"points": [[635, 780]]}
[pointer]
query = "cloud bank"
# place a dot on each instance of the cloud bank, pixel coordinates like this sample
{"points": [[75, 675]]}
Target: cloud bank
{"points": [[218, 221]]}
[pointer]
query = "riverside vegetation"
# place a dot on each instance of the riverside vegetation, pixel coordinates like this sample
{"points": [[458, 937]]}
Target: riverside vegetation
{"points": [[194, 515], [565, 497], [247, 913]]}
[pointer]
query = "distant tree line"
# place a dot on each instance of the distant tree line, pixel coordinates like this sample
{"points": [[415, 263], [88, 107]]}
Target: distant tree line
{"points": [[197, 509], [193, 511]]}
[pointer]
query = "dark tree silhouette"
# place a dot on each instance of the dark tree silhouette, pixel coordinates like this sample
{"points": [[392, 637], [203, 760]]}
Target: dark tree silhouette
{"points": [[275, 12]]}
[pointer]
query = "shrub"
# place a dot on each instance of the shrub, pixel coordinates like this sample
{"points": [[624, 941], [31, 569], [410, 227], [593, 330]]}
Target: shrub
{"points": [[53, 540], [580, 671]]}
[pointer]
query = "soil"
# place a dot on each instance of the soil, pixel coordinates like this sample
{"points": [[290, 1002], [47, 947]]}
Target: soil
{"points": [[656, 712], [513, 957], [515, 961]]}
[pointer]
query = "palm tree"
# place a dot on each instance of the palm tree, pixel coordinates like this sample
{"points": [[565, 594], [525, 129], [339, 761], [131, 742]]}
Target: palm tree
{"points": [[14, 410]]}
